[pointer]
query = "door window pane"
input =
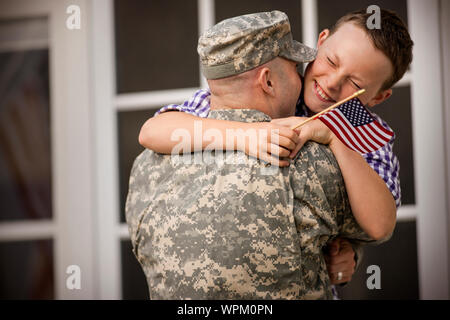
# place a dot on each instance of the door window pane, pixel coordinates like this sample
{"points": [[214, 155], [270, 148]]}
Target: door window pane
{"points": [[129, 125], [25, 151], [26, 270], [231, 8], [23, 32], [156, 45], [397, 260], [134, 283]]}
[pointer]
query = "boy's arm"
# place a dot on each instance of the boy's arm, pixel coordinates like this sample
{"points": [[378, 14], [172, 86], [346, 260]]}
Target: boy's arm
{"points": [[163, 132], [372, 203]]}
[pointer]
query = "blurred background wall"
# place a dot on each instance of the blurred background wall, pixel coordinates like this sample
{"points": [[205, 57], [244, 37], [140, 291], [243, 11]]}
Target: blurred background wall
{"points": [[72, 101]]}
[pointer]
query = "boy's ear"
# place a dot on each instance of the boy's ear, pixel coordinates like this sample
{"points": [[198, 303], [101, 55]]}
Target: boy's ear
{"points": [[265, 80], [322, 37], [380, 97]]}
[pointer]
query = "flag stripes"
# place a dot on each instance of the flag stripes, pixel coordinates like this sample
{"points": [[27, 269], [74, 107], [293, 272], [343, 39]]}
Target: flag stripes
{"points": [[356, 128]]}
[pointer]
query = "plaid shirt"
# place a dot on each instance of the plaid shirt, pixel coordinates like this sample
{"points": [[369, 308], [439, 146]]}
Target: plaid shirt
{"points": [[383, 160]]}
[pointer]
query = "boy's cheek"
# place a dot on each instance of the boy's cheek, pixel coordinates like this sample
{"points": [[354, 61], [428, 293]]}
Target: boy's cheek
{"points": [[318, 65]]}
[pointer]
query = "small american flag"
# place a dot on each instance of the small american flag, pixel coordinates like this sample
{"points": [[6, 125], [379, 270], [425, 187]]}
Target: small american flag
{"points": [[353, 124]]}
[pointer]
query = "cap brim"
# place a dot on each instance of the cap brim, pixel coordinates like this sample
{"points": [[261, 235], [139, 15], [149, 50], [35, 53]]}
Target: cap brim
{"points": [[300, 53]]}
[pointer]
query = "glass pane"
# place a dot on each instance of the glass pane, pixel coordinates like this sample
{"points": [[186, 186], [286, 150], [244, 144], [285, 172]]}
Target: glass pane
{"points": [[134, 283], [231, 8], [397, 260], [129, 125], [14, 31], [330, 11], [25, 153], [156, 45], [26, 270], [396, 111]]}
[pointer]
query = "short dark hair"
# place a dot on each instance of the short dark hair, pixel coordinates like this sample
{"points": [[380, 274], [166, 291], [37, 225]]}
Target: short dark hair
{"points": [[392, 39]]}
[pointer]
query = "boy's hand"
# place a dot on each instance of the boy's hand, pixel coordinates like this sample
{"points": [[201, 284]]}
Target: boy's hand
{"points": [[314, 130], [274, 142]]}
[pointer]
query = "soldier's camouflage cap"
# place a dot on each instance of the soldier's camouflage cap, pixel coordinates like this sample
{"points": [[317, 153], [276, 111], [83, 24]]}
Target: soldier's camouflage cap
{"points": [[245, 42]]}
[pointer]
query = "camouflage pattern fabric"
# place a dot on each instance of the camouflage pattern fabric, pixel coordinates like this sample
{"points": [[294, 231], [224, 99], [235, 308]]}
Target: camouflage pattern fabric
{"points": [[245, 42], [224, 230]]}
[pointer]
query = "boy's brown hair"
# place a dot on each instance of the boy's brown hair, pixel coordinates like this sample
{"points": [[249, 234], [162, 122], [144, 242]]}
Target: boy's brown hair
{"points": [[392, 39]]}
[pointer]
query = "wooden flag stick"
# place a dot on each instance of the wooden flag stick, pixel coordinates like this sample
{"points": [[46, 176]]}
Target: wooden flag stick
{"points": [[329, 108]]}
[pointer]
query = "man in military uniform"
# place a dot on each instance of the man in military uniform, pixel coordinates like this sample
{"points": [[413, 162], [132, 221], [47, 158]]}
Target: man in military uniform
{"points": [[230, 228]]}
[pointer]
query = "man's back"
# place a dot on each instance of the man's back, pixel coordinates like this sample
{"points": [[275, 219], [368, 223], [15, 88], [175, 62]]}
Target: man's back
{"points": [[226, 228]]}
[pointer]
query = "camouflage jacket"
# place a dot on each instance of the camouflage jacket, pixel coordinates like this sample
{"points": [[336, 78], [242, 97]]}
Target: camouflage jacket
{"points": [[224, 228]]}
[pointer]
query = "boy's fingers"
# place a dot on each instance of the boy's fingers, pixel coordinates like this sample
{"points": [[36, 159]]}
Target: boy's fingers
{"points": [[286, 143], [296, 150], [273, 160], [271, 153], [303, 136], [284, 137], [288, 133], [278, 151]]}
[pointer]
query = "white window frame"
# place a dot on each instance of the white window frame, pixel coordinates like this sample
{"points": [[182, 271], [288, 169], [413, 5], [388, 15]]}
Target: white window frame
{"points": [[72, 184], [429, 149], [444, 9]]}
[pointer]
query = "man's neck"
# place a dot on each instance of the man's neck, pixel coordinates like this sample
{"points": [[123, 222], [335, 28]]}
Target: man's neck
{"points": [[237, 102]]}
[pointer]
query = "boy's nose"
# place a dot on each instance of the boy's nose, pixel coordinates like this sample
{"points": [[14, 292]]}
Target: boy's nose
{"points": [[334, 83]]}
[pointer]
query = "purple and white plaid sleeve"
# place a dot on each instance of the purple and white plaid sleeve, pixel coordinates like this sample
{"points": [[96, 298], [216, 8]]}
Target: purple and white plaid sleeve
{"points": [[386, 164], [198, 105]]}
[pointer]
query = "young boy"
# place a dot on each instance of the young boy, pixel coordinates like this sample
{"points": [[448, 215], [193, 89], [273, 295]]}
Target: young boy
{"points": [[349, 57]]}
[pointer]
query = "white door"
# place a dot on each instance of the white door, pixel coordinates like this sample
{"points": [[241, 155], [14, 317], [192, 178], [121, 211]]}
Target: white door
{"points": [[429, 149], [422, 85], [49, 141], [77, 221]]}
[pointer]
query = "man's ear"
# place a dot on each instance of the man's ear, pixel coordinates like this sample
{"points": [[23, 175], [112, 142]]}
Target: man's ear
{"points": [[379, 98], [322, 37], [265, 80]]}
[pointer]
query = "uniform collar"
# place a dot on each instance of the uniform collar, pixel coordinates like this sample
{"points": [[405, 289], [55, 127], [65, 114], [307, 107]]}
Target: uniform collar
{"points": [[241, 115]]}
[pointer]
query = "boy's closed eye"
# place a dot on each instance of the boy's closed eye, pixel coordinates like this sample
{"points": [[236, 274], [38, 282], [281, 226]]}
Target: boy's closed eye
{"points": [[331, 62], [355, 84]]}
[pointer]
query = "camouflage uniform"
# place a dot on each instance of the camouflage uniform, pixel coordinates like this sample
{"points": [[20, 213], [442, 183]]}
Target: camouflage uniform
{"points": [[223, 230]]}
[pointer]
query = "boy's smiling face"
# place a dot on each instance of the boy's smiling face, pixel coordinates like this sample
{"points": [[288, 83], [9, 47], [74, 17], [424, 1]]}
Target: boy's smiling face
{"points": [[346, 62]]}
